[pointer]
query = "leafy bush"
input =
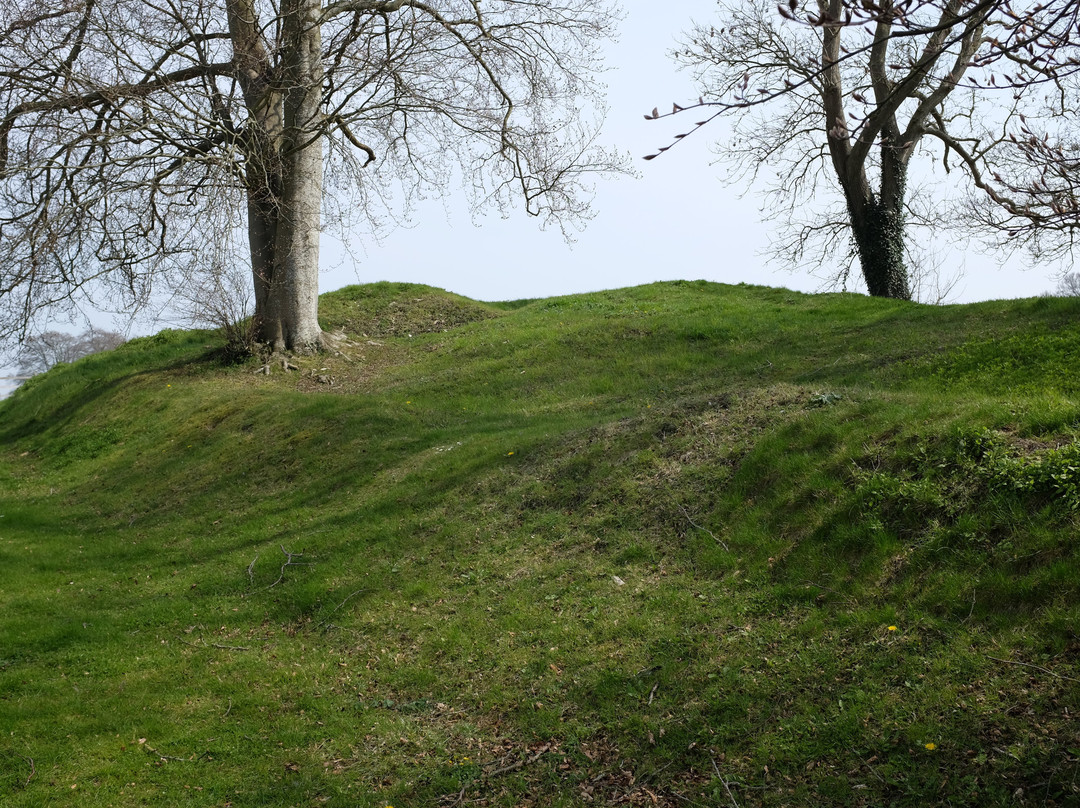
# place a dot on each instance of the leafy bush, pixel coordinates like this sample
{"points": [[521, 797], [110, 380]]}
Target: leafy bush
{"points": [[1052, 472]]}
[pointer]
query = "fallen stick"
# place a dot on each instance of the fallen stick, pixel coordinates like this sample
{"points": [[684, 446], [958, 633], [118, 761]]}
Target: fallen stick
{"points": [[1036, 667]]}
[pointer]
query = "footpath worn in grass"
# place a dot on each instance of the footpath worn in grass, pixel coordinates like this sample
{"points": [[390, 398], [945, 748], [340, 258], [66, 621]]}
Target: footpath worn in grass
{"points": [[684, 544]]}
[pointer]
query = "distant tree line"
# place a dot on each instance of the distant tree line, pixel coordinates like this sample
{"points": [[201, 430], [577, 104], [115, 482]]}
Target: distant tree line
{"points": [[39, 352], [1069, 285]]}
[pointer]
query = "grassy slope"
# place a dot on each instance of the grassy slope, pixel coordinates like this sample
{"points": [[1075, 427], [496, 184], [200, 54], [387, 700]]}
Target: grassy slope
{"points": [[679, 544]]}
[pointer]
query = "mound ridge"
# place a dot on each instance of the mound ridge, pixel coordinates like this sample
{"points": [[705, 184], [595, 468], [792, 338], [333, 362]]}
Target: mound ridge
{"points": [[387, 309]]}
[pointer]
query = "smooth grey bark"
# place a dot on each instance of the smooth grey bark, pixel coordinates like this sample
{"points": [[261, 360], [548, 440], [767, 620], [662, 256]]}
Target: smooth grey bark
{"points": [[289, 318], [283, 171]]}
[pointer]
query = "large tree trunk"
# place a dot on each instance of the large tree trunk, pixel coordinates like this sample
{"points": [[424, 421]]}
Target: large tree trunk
{"points": [[289, 319], [262, 225], [878, 230], [289, 315], [877, 219], [283, 169]]}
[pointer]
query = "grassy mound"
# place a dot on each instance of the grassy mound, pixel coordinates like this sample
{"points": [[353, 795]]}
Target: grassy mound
{"points": [[683, 544], [398, 310]]}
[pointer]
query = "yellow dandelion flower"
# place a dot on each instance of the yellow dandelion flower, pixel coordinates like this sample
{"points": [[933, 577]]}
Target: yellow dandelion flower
{"points": [[930, 747], [509, 454], [892, 628]]}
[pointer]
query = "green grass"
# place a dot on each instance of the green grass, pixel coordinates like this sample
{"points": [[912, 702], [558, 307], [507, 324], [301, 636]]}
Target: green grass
{"points": [[682, 544]]}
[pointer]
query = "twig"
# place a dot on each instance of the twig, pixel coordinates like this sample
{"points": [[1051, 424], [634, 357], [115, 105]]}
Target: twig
{"points": [[251, 569], [460, 798], [866, 763], [720, 777], [521, 763], [719, 541], [155, 752], [33, 770], [652, 694], [288, 563], [972, 611], [808, 374], [350, 597], [1036, 667], [652, 775], [850, 601], [229, 710]]}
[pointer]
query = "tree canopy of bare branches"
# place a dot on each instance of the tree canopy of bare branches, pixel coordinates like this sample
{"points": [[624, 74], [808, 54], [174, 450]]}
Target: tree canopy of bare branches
{"points": [[136, 135], [842, 96]]}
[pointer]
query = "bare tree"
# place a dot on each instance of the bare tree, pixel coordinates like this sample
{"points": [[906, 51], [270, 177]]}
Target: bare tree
{"points": [[40, 352], [843, 96], [136, 133], [1068, 285]]}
